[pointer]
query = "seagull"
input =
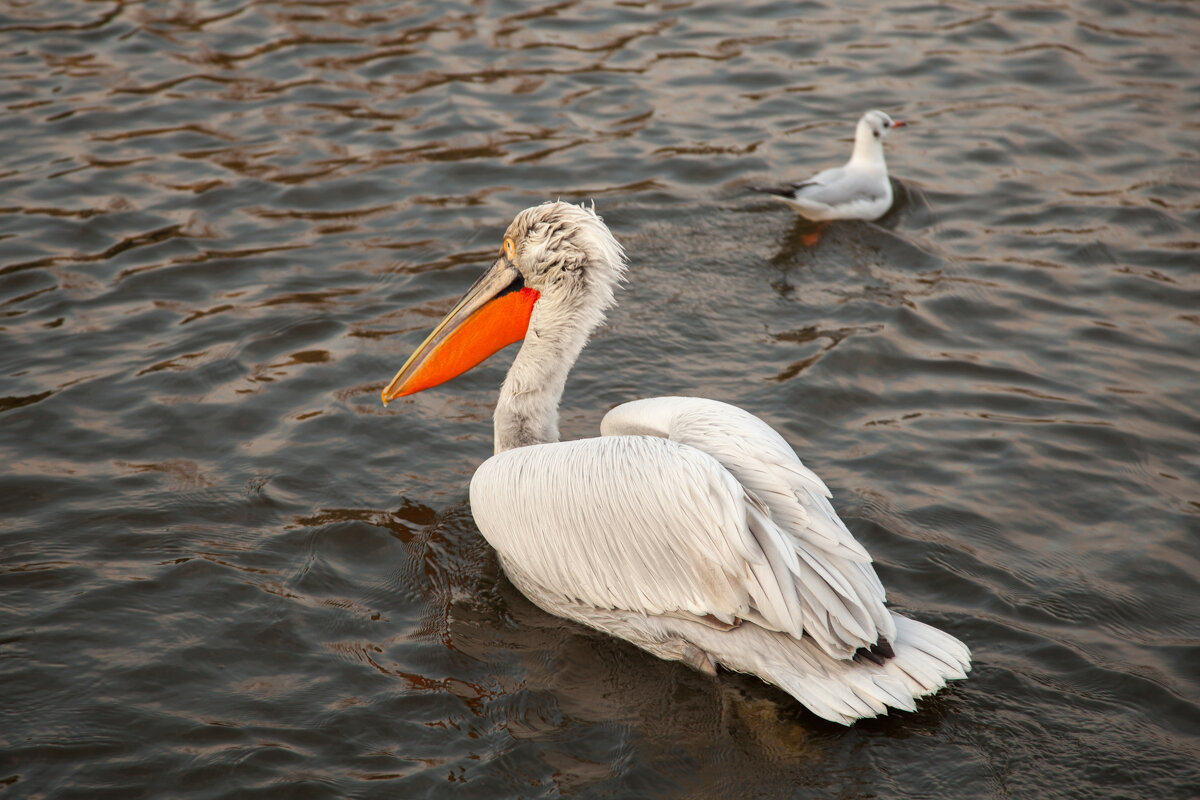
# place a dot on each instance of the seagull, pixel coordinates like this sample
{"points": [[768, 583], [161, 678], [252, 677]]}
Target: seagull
{"points": [[689, 527], [858, 190]]}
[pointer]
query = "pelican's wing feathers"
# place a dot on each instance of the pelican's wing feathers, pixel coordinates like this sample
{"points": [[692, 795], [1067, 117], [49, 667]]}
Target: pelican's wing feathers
{"points": [[766, 465], [659, 526]]}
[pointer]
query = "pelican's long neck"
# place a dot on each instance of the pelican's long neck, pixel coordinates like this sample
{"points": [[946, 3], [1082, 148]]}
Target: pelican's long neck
{"points": [[868, 151], [527, 409], [572, 260]]}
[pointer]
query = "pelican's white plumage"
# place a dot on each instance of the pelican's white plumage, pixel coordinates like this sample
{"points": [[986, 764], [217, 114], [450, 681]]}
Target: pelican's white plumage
{"points": [[859, 189], [689, 528]]}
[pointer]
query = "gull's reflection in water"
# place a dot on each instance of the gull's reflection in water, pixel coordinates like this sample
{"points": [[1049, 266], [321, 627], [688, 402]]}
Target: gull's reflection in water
{"points": [[808, 242]]}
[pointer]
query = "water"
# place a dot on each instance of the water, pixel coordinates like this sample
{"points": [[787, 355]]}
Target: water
{"points": [[227, 571]]}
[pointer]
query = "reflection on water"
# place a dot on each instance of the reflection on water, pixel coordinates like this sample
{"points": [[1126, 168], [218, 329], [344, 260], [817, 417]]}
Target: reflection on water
{"points": [[224, 567]]}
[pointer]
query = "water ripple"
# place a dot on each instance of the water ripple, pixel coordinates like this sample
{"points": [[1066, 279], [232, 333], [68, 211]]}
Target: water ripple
{"points": [[225, 567]]}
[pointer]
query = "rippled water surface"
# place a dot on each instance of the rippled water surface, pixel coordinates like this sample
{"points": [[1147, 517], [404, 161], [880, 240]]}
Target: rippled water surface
{"points": [[227, 571]]}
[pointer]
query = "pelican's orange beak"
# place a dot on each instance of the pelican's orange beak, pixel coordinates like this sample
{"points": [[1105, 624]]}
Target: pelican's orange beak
{"points": [[493, 314]]}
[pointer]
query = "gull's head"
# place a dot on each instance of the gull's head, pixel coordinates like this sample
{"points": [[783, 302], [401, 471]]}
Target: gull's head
{"points": [[555, 274], [868, 138], [875, 125]]}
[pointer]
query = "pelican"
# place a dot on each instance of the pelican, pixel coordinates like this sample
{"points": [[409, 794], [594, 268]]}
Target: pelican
{"points": [[860, 189], [688, 527]]}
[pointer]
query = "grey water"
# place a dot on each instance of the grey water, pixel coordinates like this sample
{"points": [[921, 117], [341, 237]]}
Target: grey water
{"points": [[227, 571]]}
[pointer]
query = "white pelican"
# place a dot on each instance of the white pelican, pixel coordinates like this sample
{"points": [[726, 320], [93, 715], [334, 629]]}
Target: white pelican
{"points": [[689, 527], [858, 190]]}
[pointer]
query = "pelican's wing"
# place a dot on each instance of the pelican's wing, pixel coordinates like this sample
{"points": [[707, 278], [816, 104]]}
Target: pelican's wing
{"points": [[766, 466], [635, 523], [645, 524]]}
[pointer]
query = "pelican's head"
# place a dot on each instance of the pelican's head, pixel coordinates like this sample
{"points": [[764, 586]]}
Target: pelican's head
{"points": [[566, 254], [557, 267]]}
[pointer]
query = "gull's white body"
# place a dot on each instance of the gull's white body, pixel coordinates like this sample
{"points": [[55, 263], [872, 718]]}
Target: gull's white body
{"points": [[689, 528], [860, 189]]}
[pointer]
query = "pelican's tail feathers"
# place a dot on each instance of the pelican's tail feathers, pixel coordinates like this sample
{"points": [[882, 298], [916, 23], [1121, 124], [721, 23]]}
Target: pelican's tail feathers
{"points": [[845, 690], [917, 662]]}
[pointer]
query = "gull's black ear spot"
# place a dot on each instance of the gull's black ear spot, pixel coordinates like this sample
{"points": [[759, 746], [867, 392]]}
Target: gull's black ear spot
{"points": [[876, 134]]}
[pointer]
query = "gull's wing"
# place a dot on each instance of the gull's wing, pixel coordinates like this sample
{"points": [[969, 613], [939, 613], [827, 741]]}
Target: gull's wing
{"points": [[842, 186], [791, 191]]}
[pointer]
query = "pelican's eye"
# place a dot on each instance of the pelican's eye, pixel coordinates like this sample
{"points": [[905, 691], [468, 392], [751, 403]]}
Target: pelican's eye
{"points": [[510, 249]]}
